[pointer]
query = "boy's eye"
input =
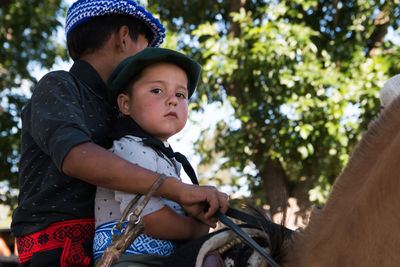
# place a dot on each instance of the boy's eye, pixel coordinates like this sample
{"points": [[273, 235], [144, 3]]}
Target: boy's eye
{"points": [[181, 95], [156, 90]]}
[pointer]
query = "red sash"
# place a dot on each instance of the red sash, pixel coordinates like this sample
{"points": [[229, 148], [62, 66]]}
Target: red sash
{"points": [[68, 235]]}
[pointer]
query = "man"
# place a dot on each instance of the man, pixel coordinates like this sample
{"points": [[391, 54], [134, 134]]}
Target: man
{"points": [[64, 130]]}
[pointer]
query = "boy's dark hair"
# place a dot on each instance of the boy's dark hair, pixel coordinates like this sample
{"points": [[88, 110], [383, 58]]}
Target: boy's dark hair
{"points": [[128, 88], [92, 35]]}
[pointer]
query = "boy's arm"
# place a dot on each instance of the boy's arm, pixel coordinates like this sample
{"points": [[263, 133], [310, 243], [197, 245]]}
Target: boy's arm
{"points": [[98, 166], [168, 225]]}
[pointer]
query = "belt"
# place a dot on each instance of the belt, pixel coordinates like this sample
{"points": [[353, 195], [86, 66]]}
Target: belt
{"points": [[68, 235]]}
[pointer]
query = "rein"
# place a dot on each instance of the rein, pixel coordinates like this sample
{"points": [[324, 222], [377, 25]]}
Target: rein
{"points": [[233, 213], [120, 242]]}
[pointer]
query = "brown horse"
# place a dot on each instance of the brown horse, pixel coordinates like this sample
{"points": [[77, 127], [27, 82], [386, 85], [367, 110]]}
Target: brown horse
{"points": [[359, 225]]}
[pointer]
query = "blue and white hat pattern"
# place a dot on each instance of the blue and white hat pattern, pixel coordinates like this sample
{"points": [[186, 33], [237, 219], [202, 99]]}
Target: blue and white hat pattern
{"points": [[83, 10]]}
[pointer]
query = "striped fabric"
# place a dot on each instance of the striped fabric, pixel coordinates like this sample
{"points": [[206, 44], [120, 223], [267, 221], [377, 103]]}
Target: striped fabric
{"points": [[83, 10], [143, 244]]}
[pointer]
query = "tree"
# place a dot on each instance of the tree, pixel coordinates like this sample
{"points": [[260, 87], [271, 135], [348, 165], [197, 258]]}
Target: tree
{"points": [[27, 38], [303, 78], [289, 69]]}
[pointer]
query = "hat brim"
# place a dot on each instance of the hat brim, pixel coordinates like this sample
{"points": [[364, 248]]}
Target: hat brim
{"points": [[133, 65]]}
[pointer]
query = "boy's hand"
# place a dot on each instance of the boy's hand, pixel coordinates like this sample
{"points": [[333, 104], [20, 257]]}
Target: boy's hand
{"points": [[202, 202], [197, 211], [201, 229]]}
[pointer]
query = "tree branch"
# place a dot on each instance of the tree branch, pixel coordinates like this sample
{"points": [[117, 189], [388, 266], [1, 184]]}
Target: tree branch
{"points": [[381, 28], [234, 27]]}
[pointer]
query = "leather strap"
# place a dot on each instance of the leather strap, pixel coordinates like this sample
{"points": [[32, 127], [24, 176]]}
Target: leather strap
{"points": [[236, 229], [133, 229], [272, 228]]}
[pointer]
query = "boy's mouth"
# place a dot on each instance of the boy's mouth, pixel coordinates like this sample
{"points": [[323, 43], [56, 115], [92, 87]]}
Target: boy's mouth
{"points": [[171, 114]]}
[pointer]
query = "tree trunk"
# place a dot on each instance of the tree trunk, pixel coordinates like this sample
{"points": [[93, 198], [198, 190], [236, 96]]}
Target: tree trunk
{"points": [[381, 28], [300, 193], [234, 27], [273, 177]]}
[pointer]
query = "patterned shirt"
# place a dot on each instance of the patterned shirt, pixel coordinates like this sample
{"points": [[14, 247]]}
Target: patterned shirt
{"points": [[110, 204], [66, 109]]}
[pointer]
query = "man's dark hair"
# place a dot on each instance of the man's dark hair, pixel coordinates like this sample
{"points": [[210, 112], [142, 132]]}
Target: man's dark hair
{"points": [[92, 35]]}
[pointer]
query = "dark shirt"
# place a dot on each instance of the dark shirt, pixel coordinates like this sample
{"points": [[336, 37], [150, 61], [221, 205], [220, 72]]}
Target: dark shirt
{"points": [[66, 109]]}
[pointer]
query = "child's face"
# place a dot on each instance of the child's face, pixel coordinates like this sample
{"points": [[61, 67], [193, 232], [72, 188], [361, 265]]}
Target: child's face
{"points": [[159, 100]]}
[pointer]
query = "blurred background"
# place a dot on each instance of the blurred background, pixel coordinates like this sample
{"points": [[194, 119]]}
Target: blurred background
{"points": [[287, 89]]}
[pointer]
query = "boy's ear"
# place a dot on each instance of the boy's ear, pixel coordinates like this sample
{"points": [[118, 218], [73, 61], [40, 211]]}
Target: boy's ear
{"points": [[122, 35], [123, 101]]}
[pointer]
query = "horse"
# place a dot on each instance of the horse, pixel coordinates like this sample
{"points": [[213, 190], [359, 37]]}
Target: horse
{"points": [[358, 226]]}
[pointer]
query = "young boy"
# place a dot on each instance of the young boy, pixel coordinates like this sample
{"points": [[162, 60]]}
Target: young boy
{"points": [[64, 126], [151, 90]]}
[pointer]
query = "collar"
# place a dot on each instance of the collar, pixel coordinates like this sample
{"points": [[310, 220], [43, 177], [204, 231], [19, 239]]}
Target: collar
{"points": [[125, 125], [89, 76], [166, 144]]}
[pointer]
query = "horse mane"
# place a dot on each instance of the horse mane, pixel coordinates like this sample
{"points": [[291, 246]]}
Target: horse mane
{"points": [[346, 191], [379, 135], [278, 233]]}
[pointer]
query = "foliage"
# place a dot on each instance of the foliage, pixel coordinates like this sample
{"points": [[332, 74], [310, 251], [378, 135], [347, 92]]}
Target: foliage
{"points": [[303, 78], [27, 37]]}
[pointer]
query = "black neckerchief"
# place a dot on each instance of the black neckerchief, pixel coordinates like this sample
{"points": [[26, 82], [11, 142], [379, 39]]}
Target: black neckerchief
{"points": [[127, 126]]}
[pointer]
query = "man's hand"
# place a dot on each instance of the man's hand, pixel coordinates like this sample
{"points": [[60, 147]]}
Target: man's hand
{"points": [[202, 202]]}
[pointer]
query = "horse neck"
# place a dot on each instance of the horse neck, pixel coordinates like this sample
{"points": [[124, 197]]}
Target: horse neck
{"points": [[361, 215]]}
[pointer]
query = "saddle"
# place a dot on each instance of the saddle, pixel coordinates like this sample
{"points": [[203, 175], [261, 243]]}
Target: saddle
{"points": [[234, 245], [226, 246]]}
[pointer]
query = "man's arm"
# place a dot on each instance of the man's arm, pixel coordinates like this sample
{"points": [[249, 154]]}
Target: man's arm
{"points": [[96, 165]]}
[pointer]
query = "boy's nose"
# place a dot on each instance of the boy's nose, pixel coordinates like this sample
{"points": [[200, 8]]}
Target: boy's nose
{"points": [[173, 100]]}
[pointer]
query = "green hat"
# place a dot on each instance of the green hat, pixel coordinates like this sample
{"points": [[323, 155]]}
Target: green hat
{"points": [[133, 65]]}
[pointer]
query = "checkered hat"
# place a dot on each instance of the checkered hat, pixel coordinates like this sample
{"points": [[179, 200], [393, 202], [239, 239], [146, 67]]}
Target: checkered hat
{"points": [[84, 10]]}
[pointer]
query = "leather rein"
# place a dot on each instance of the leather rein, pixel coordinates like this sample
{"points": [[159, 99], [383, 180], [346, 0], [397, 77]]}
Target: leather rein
{"points": [[252, 220], [120, 242]]}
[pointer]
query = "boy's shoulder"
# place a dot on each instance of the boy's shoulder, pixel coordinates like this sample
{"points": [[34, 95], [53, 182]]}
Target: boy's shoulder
{"points": [[56, 77], [59, 80], [130, 145], [129, 141], [131, 148]]}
